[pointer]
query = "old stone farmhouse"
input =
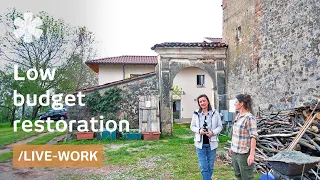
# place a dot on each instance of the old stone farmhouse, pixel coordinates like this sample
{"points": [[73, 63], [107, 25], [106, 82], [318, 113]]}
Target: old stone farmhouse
{"points": [[273, 50], [269, 49], [197, 68]]}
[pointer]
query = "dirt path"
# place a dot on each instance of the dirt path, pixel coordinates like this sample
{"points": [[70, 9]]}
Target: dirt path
{"points": [[56, 139], [8, 172], [9, 147], [106, 172]]}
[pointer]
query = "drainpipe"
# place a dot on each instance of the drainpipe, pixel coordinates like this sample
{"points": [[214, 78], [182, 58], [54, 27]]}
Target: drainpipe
{"points": [[123, 71], [226, 91]]}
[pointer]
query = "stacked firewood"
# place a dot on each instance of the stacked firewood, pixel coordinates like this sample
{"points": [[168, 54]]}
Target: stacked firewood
{"points": [[277, 129]]}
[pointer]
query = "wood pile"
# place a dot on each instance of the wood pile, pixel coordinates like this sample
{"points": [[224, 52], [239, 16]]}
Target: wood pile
{"points": [[277, 130]]}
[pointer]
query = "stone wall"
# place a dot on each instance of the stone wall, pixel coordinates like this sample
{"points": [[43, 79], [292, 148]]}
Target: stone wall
{"points": [[131, 90], [170, 67], [174, 59], [277, 58]]}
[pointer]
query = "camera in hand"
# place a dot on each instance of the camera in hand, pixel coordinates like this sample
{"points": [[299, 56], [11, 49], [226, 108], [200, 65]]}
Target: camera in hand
{"points": [[205, 129]]}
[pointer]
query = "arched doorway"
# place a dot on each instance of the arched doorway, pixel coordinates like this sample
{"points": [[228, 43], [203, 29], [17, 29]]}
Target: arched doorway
{"points": [[174, 57], [191, 82]]}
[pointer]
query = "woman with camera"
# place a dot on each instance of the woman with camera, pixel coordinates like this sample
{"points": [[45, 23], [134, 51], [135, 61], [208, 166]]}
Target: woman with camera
{"points": [[206, 125]]}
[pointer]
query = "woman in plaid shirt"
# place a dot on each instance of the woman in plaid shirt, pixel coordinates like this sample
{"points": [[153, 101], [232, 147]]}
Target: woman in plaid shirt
{"points": [[244, 135]]}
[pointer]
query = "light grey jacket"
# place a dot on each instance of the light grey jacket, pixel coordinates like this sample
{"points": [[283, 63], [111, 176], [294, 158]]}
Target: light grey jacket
{"points": [[214, 125]]}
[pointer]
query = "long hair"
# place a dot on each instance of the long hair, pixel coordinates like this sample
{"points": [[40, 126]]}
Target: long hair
{"points": [[246, 100], [209, 105]]}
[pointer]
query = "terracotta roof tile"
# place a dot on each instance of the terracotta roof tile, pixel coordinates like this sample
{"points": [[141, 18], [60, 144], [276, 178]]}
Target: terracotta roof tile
{"points": [[190, 44], [211, 39], [115, 82], [152, 60]]}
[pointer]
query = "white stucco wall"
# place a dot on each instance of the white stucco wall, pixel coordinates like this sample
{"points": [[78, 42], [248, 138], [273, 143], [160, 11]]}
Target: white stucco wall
{"points": [[187, 80], [138, 69], [110, 72]]}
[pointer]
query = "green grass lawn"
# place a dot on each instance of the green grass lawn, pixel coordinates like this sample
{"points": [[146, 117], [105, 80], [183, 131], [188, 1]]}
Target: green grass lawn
{"points": [[6, 156], [173, 157], [46, 138], [8, 135], [39, 141]]}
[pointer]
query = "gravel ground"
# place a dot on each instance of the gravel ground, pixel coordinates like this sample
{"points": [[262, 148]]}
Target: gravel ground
{"points": [[7, 172], [149, 168]]}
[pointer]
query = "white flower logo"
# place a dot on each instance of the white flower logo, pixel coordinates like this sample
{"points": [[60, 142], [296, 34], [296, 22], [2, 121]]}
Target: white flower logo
{"points": [[28, 27]]}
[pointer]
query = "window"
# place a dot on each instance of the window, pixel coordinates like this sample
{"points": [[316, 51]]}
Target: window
{"points": [[238, 33], [200, 80]]}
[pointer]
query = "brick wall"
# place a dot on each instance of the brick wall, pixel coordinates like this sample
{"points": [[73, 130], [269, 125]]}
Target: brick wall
{"points": [[131, 90]]}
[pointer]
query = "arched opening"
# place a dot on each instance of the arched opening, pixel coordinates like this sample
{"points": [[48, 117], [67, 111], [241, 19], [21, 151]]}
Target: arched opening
{"points": [[173, 58], [187, 85]]}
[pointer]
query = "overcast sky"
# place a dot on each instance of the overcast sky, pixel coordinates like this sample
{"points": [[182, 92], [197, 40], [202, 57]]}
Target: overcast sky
{"points": [[132, 27]]}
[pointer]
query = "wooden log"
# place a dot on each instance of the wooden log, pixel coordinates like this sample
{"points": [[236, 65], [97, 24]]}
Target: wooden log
{"points": [[314, 129], [283, 118], [278, 135], [297, 147], [262, 169], [267, 149], [314, 143], [258, 157], [293, 124], [315, 173], [261, 152], [306, 113], [316, 135], [261, 140], [278, 141], [270, 145], [306, 144], [267, 138], [300, 133], [283, 129]]}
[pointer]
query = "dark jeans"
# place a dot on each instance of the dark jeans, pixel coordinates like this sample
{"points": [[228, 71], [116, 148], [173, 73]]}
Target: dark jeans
{"points": [[206, 158], [240, 166]]}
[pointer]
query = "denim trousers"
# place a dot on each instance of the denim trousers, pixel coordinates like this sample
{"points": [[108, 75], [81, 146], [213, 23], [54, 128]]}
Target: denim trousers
{"points": [[206, 158]]}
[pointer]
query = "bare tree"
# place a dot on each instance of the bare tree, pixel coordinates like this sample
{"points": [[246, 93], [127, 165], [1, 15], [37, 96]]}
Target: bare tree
{"points": [[60, 46]]}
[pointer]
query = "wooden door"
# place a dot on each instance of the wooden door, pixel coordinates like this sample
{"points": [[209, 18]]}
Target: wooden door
{"points": [[149, 113]]}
